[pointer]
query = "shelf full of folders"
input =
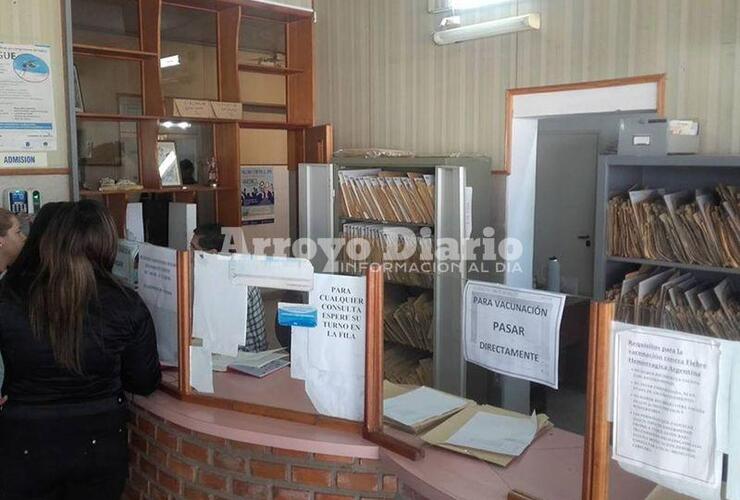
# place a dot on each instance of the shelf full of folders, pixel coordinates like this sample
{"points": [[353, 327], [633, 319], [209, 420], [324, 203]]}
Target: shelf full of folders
{"points": [[671, 251], [393, 210]]}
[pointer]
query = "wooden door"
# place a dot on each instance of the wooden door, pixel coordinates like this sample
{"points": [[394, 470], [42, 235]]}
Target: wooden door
{"points": [[319, 144]]}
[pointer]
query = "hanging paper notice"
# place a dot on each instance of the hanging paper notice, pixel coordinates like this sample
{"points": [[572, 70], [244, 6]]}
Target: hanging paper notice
{"points": [[219, 305], [335, 375], [26, 99], [513, 331], [158, 289], [665, 409], [125, 266]]}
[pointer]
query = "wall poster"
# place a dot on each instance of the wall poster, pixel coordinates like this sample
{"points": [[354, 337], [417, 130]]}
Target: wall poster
{"points": [[26, 99], [257, 195]]}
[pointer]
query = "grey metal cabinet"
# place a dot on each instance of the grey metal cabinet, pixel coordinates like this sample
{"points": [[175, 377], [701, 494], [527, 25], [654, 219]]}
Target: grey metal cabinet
{"points": [[462, 184], [621, 173]]}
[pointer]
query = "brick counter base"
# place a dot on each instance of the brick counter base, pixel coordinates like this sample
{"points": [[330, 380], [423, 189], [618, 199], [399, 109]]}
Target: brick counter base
{"points": [[170, 462]]}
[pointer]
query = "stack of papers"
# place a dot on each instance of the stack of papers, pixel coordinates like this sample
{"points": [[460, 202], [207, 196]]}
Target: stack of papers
{"points": [[693, 227], [419, 409], [260, 371], [410, 322], [491, 434], [403, 365], [245, 359], [383, 240], [387, 196], [677, 300], [496, 433]]}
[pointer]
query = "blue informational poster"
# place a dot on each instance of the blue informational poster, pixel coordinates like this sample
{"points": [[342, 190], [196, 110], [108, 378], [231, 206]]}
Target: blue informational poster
{"points": [[26, 99]]}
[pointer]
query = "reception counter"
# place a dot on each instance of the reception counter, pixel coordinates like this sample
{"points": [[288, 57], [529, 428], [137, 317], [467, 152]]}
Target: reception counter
{"points": [[182, 450]]}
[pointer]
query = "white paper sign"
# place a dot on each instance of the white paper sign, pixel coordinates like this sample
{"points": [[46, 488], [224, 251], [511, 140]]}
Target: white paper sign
{"points": [[158, 289], [337, 344], [183, 218], [298, 352], [26, 99], [284, 273], [201, 369], [135, 222], [219, 305], [665, 409], [733, 416], [125, 265], [513, 331], [335, 378]]}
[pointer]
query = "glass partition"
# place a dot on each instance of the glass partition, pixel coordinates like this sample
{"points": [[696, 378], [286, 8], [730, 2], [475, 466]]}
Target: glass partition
{"points": [[193, 144], [262, 77], [106, 23], [108, 86], [107, 150], [190, 42], [262, 42]]}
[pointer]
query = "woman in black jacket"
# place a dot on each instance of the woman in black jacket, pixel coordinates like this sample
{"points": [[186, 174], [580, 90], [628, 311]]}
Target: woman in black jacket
{"points": [[73, 340]]}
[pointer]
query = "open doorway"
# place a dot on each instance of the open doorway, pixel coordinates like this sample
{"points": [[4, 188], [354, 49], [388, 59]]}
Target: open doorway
{"points": [[568, 148], [540, 209]]}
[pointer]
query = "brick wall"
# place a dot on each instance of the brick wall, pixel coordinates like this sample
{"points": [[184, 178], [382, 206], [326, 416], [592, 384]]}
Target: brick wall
{"points": [[170, 462]]}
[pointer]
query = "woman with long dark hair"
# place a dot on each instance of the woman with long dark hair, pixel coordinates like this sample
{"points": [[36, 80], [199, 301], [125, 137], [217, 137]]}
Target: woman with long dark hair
{"points": [[73, 339]]}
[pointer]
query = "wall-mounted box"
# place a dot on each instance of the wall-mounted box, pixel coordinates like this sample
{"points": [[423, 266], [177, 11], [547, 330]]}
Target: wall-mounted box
{"points": [[658, 136]]}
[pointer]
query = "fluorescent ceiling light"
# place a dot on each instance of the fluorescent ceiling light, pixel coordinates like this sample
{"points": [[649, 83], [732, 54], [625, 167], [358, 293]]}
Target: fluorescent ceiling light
{"points": [[488, 28], [182, 125], [167, 62], [472, 4]]}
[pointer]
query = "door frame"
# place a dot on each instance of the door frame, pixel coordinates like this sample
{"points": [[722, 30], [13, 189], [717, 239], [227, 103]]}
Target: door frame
{"points": [[556, 99], [524, 108]]}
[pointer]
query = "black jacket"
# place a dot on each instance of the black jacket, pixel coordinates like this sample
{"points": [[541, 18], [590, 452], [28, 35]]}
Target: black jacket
{"points": [[119, 353]]}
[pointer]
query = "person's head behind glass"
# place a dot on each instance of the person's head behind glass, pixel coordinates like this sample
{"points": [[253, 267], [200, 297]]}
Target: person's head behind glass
{"points": [[12, 238], [207, 238]]}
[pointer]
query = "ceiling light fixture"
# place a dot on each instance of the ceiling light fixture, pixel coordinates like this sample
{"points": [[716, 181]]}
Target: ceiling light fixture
{"points": [[472, 4], [182, 125], [487, 29]]}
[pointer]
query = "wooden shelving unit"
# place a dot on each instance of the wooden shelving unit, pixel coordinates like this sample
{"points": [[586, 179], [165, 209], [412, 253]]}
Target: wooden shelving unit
{"points": [[270, 125], [143, 50], [111, 117], [268, 70], [112, 52]]}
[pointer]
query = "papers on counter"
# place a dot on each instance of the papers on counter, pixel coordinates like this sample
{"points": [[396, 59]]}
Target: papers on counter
{"points": [[255, 360], [260, 371], [496, 433], [442, 434], [421, 406]]}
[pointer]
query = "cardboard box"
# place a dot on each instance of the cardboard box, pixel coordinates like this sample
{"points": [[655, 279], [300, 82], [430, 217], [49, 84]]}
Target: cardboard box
{"points": [[188, 108]]}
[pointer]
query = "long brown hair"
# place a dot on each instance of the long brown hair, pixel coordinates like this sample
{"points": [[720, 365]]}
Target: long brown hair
{"points": [[76, 250]]}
